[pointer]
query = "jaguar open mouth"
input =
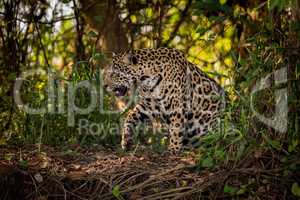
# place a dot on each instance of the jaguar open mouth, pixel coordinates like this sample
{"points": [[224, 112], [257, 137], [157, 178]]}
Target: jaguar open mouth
{"points": [[120, 91]]}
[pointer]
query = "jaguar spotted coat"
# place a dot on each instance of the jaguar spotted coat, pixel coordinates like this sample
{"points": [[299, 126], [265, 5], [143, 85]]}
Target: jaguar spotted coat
{"points": [[171, 89]]}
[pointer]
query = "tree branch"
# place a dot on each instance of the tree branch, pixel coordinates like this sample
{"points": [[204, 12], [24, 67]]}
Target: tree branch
{"points": [[42, 45], [56, 20], [80, 48], [183, 16], [161, 15]]}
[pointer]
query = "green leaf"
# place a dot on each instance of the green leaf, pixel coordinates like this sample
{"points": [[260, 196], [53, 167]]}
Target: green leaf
{"points": [[240, 151], [23, 164], [241, 191], [273, 143], [292, 147], [92, 34], [12, 76], [220, 154], [222, 2], [116, 191], [98, 18], [98, 56], [272, 4], [286, 172], [8, 156], [230, 189], [296, 189], [201, 30], [207, 162]]}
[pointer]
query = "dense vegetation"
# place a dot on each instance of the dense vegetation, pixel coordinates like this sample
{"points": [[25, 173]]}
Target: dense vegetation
{"points": [[239, 43]]}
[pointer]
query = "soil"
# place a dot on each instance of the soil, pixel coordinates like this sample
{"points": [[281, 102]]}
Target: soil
{"points": [[45, 172]]}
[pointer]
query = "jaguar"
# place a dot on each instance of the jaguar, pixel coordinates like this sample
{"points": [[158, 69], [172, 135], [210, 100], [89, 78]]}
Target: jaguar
{"points": [[171, 90]]}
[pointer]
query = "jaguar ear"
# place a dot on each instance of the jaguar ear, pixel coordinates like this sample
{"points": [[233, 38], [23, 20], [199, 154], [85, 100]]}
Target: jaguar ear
{"points": [[130, 59], [114, 54]]}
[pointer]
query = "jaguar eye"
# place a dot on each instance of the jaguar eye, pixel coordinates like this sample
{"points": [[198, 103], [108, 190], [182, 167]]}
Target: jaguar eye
{"points": [[144, 78]]}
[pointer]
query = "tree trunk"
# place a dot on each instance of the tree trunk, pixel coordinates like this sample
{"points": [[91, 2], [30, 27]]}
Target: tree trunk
{"points": [[103, 16]]}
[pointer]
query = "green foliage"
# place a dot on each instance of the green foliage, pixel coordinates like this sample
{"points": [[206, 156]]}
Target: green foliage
{"points": [[229, 143], [23, 164], [279, 4], [116, 192], [8, 156], [230, 189], [208, 162], [296, 189], [213, 6]]}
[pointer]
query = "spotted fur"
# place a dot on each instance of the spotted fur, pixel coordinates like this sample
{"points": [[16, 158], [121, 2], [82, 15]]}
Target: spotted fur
{"points": [[171, 89]]}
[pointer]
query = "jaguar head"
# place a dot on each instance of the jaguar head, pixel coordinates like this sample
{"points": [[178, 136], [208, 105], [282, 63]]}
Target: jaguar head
{"points": [[121, 76]]}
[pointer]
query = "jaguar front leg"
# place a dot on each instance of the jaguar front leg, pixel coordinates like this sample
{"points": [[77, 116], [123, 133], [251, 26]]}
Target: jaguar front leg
{"points": [[134, 117], [176, 131]]}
